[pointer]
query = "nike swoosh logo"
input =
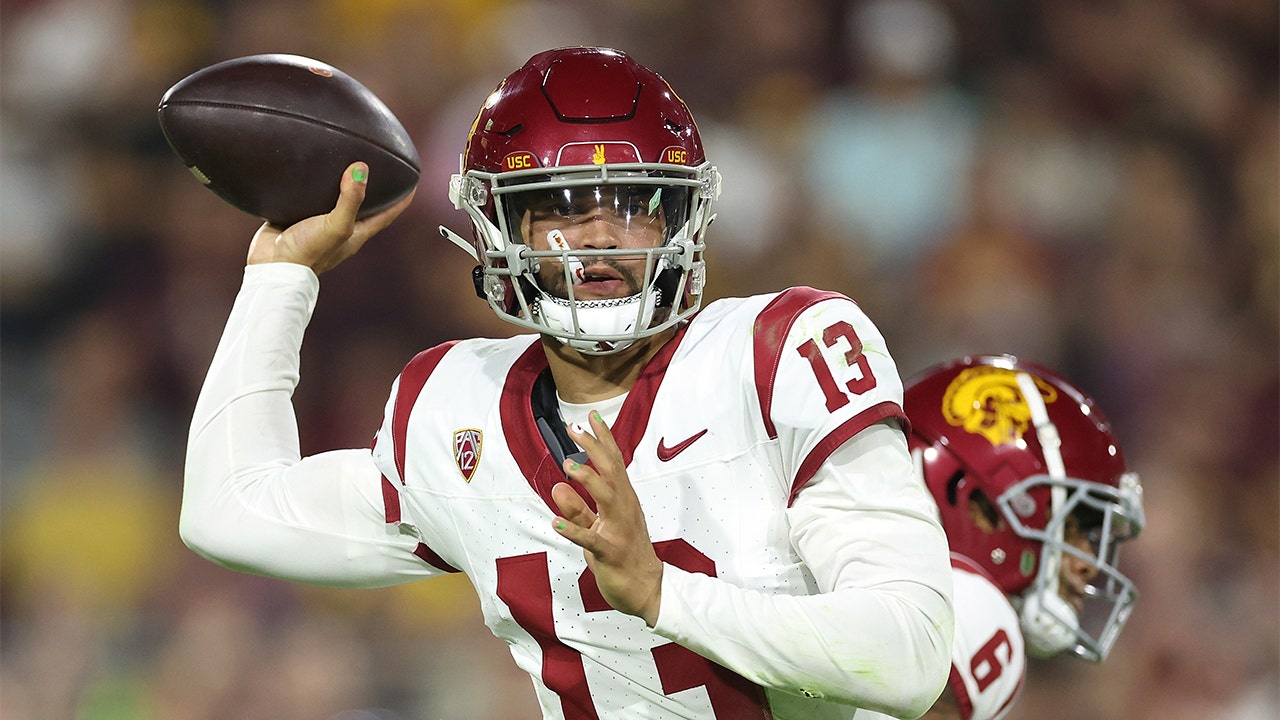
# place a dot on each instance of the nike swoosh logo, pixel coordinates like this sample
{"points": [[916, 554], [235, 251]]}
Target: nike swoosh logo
{"points": [[666, 453]]}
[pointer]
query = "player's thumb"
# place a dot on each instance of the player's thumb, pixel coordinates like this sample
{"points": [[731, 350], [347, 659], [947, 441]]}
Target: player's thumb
{"points": [[355, 181]]}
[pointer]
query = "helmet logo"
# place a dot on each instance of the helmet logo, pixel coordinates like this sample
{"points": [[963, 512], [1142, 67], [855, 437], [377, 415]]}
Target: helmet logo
{"points": [[522, 160], [596, 153], [986, 401], [675, 155], [467, 444]]}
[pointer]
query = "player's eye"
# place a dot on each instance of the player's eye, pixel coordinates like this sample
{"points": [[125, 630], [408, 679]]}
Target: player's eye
{"points": [[633, 206], [639, 202], [564, 209], [554, 205]]}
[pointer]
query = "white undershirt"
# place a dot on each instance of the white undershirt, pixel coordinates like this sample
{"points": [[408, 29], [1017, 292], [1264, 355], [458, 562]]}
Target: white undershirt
{"points": [[578, 412]]}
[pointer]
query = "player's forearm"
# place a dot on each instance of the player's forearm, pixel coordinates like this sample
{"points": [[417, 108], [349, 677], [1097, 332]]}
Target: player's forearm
{"points": [[243, 428], [249, 501], [885, 648]]}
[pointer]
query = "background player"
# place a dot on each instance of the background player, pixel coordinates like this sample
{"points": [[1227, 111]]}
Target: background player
{"points": [[663, 514], [1035, 496]]}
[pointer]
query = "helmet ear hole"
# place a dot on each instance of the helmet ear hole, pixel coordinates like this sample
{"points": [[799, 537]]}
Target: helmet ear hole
{"points": [[983, 511], [953, 487]]}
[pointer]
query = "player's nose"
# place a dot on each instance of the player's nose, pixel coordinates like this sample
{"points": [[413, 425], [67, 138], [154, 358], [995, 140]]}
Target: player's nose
{"points": [[599, 230], [1079, 567]]}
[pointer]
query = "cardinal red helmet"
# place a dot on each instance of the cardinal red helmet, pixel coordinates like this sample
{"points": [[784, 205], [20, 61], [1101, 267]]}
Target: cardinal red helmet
{"points": [[585, 124], [1038, 451]]}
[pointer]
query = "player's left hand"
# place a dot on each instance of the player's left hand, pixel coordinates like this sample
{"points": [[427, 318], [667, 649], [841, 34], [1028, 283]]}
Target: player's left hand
{"points": [[615, 538]]}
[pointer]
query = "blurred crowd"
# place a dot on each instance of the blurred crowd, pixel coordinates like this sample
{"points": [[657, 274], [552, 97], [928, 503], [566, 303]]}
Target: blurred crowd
{"points": [[1091, 184]]}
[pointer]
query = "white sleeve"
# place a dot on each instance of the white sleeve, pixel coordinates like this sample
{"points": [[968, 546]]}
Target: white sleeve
{"points": [[883, 617], [249, 501]]}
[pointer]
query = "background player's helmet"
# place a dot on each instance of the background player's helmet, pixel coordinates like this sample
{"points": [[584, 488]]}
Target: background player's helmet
{"points": [[585, 120], [1040, 451]]}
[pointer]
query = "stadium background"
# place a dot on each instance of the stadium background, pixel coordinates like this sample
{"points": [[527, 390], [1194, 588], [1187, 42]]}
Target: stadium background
{"points": [[1092, 185]]}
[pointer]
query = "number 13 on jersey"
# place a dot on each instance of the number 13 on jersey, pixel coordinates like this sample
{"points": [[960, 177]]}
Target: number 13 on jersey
{"points": [[863, 380]]}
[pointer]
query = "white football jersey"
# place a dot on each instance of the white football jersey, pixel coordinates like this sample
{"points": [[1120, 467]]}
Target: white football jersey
{"points": [[988, 658], [725, 425]]}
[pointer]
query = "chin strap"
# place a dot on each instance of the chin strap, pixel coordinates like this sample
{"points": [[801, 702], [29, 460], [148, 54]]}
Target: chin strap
{"points": [[546, 412]]}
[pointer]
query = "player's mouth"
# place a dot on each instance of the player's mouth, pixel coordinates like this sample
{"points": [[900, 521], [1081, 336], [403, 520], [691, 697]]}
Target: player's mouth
{"points": [[1074, 597], [601, 281]]}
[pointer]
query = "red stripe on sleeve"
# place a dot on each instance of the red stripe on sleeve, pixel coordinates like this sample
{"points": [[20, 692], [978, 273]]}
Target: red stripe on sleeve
{"points": [[428, 556], [770, 339], [837, 437], [390, 500], [412, 379]]}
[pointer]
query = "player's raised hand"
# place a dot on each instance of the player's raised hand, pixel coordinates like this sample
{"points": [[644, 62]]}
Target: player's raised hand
{"points": [[323, 241], [614, 538]]}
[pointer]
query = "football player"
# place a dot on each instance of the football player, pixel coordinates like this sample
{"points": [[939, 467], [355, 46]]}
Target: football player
{"points": [[667, 510], [1036, 498]]}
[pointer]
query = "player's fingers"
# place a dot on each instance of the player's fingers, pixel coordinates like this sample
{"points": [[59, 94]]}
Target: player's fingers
{"points": [[372, 225], [575, 524], [599, 486], [604, 453], [340, 222], [602, 431], [584, 538], [571, 505], [599, 443]]}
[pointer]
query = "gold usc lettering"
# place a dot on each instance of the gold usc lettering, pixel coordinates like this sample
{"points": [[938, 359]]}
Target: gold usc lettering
{"points": [[522, 161]]}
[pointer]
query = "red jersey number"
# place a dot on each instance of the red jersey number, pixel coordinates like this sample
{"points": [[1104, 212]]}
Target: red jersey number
{"points": [[853, 357], [524, 584], [986, 666]]}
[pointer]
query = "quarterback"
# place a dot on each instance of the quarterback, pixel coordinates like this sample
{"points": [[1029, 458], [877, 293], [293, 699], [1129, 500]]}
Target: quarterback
{"points": [[667, 510]]}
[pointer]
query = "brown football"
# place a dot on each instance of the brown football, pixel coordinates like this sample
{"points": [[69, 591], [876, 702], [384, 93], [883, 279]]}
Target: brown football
{"points": [[271, 135]]}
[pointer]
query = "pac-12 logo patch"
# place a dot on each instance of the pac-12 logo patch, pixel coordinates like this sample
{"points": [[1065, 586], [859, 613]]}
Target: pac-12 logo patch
{"points": [[467, 445], [987, 401]]}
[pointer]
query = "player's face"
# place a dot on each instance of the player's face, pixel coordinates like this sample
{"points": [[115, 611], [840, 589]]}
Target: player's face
{"points": [[595, 218], [1075, 573]]}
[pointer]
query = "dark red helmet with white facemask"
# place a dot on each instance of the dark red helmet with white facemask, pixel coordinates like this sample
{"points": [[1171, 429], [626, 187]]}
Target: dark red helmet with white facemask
{"points": [[571, 129], [1037, 454]]}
